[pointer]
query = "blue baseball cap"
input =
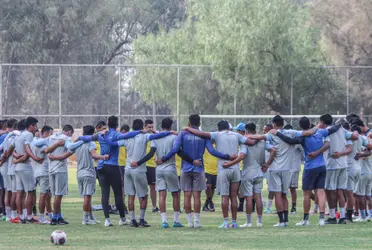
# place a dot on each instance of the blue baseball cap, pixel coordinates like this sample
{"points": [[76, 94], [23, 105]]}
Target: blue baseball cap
{"points": [[240, 127]]}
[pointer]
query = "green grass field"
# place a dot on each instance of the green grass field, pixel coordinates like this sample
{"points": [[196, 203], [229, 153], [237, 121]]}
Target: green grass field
{"points": [[356, 236]]}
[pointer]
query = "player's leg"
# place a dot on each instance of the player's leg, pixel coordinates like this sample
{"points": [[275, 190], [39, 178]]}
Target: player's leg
{"points": [[162, 207], [151, 179], [104, 182], [293, 188], [13, 206], [198, 185], [224, 190], [172, 184], [117, 188], [130, 191], [61, 185], [44, 188], [330, 185], [286, 180], [140, 183], [257, 195], [48, 203], [208, 193], [234, 189], [341, 187], [197, 207], [351, 181], [361, 193], [246, 190], [186, 183], [29, 183]]}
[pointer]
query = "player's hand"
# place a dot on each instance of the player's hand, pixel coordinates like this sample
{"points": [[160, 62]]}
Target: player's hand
{"points": [[358, 156], [264, 167], [60, 142], [53, 157], [226, 164], [196, 163], [312, 155], [273, 131], [159, 162], [233, 157], [185, 128], [174, 132], [106, 157], [133, 164], [40, 160], [336, 155]]}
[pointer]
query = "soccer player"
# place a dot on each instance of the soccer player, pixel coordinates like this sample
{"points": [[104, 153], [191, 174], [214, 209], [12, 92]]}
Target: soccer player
{"points": [[314, 175], [122, 161], [211, 170], [254, 165], [25, 179], [228, 177], [266, 129], [3, 184], [192, 176], [151, 168], [41, 174]]}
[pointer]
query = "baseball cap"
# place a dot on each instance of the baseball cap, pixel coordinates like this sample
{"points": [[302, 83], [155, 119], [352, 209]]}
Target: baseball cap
{"points": [[240, 127]]}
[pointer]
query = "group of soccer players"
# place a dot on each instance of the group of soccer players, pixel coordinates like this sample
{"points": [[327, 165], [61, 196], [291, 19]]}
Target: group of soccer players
{"points": [[337, 169]]}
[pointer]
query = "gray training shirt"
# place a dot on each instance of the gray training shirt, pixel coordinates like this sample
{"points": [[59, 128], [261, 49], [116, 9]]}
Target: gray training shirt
{"points": [[58, 166], [337, 143], [163, 146], [24, 139], [85, 162], [43, 168]]}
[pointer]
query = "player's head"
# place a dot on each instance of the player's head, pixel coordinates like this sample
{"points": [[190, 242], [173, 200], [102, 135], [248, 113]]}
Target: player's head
{"points": [[113, 122], [149, 125], [278, 122], [194, 120], [21, 125], [4, 124], [88, 130], [10, 124], [267, 128], [68, 130], [137, 124], [240, 128], [304, 123], [101, 126], [356, 128], [360, 123], [288, 127], [166, 124], [223, 125], [250, 128], [325, 121], [351, 116], [125, 128], [46, 131], [345, 124], [31, 124]]}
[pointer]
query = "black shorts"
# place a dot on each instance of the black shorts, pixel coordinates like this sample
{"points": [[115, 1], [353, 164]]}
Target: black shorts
{"points": [[151, 175], [211, 179], [314, 178]]}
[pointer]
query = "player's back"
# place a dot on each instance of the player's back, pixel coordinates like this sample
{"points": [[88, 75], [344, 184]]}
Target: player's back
{"points": [[352, 164], [40, 169], [85, 162], [337, 143], [136, 150], [163, 146], [19, 147], [284, 151], [57, 166], [254, 160], [227, 142]]}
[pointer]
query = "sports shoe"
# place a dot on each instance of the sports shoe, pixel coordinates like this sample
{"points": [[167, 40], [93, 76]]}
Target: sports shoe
{"points": [[338, 215], [342, 221], [164, 225], [93, 217], [246, 225], [16, 220], [361, 219], [33, 221], [24, 221], [293, 210], [234, 225], [134, 223], [155, 210], [89, 222], [44, 222], [205, 209], [8, 219], [331, 221], [190, 225], [54, 222], [303, 223], [225, 226], [178, 224], [369, 218], [267, 211], [280, 224], [126, 222], [259, 224], [108, 224], [62, 222], [143, 223], [3, 218], [197, 224], [211, 207], [321, 222]]}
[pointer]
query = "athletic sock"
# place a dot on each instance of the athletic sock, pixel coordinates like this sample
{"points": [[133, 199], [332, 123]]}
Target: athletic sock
{"points": [[142, 214], [285, 216], [163, 217], [363, 213], [86, 216], [177, 216], [197, 218], [321, 215], [41, 217], [332, 213], [29, 217], [294, 205], [281, 217], [249, 218], [269, 204], [226, 220], [8, 211], [132, 215], [316, 207], [189, 218], [91, 216], [14, 214], [206, 203], [306, 216], [349, 215], [24, 212], [370, 212], [259, 218], [342, 213]]}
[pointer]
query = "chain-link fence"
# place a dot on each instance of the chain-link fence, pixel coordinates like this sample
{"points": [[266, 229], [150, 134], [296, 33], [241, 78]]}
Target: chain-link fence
{"points": [[84, 94]]}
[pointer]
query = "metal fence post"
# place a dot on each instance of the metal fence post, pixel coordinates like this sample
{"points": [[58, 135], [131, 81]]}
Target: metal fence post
{"points": [[291, 97], [347, 91], [119, 95], [178, 98], [60, 96]]}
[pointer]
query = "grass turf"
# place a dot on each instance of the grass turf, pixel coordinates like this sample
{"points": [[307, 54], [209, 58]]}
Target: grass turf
{"points": [[29, 237]]}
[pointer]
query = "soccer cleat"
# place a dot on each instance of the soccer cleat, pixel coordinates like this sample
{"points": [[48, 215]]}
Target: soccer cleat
{"points": [[338, 215], [293, 210], [259, 224], [224, 226], [143, 223], [303, 223], [178, 224], [205, 209], [267, 211], [190, 225], [33, 221], [361, 219], [246, 225], [134, 223], [164, 225], [342, 221], [54, 222], [24, 221], [197, 224], [322, 222], [280, 224], [369, 218], [234, 225], [62, 222], [126, 222], [44, 222], [108, 224], [155, 210], [331, 221], [89, 222], [8, 219], [16, 220]]}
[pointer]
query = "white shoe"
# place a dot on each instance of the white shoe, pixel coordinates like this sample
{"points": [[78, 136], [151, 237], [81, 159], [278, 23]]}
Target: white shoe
{"points": [[246, 225], [259, 224], [44, 222], [369, 218], [89, 222], [197, 224], [280, 224], [124, 223], [321, 222], [303, 223], [360, 219], [108, 224], [190, 225]]}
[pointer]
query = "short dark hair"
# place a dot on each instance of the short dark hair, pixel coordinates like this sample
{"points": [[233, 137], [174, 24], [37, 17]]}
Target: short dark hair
{"points": [[250, 127], [326, 119], [46, 128], [270, 126], [357, 121], [312, 125], [68, 128], [4, 124], [345, 124], [351, 116], [137, 124], [223, 125], [11, 123], [147, 122], [288, 127], [125, 127], [31, 121], [88, 130], [278, 121], [166, 123], [304, 123], [356, 128], [194, 120], [100, 124], [22, 125], [113, 122]]}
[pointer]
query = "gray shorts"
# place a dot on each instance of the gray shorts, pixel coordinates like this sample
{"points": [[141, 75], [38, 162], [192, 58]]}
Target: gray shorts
{"points": [[248, 187], [294, 180], [193, 181], [352, 181], [6, 179], [135, 183], [279, 181], [58, 183], [25, 181], [336, 179], [364, 185], [43, 182], [225, 178], [13, 183], [267, 177], [87, 185], [167, 180]]}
